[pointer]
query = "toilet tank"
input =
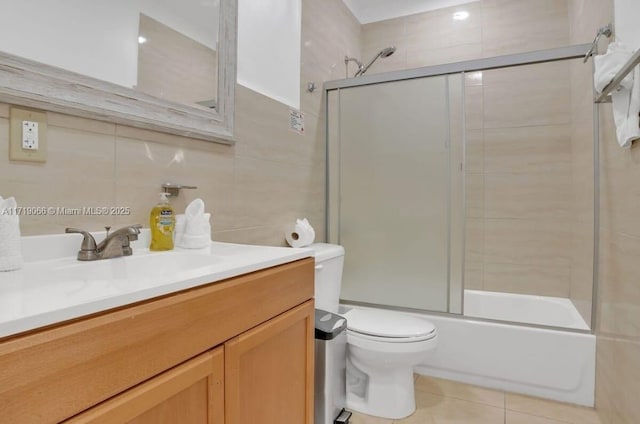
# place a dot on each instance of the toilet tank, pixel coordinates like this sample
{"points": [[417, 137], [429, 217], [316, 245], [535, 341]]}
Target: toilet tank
{"points": [[329, 260]]}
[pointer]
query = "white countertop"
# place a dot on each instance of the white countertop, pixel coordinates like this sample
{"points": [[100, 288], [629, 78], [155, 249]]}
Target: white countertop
{"points": [[53, 286]]}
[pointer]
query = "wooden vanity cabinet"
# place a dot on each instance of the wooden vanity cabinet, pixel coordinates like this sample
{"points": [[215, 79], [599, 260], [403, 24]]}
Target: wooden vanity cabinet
{"points": [[238, 351], [189, 393]]}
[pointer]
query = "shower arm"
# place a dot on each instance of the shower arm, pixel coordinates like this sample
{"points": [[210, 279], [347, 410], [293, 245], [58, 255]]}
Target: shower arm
{"points": [[348, 59], [363, 69]]}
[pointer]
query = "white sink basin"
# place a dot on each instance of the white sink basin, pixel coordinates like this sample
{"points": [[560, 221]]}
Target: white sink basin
{"points": [[140, 266], [53, 286]]}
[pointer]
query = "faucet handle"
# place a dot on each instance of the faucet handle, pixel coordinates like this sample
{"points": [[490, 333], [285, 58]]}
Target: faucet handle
{"points": [[88, 243], [88, 248]]}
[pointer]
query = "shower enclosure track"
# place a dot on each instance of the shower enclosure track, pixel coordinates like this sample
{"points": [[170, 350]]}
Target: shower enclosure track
{"points": [[529, 58]]}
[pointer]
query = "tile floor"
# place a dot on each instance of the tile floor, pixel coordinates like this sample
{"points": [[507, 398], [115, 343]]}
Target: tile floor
{"points": [[447, 402]]}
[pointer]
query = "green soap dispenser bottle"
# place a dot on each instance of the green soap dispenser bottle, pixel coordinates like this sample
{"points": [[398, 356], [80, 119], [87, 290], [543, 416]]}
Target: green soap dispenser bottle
{"points": [[162, 222]]}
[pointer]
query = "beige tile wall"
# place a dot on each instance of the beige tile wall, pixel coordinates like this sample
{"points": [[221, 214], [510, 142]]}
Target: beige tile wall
{"points": [[618, 301], [526, 180], [494, 28], [253, 189], [527, 175]]}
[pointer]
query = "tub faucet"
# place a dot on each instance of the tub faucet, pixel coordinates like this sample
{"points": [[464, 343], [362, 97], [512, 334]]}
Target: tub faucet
{"points": [[114, 245]]}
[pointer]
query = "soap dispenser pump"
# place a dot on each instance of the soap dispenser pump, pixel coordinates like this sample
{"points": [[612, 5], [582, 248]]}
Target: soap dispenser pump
{"points": [[162, 222]]}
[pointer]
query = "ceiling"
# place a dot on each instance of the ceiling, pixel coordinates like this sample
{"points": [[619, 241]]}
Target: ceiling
{"points": [[367, 11]]}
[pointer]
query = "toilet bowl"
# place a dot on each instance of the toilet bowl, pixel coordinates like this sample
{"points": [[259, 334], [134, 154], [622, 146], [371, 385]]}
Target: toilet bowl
{"points": [[382, 349], [382, 346]]}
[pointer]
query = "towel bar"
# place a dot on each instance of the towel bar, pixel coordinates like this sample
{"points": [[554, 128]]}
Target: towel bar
{"points": [[615, 82]]}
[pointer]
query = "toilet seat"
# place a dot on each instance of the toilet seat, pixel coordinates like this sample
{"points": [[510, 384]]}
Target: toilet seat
{"points": [[391, 339], [387, 326]]}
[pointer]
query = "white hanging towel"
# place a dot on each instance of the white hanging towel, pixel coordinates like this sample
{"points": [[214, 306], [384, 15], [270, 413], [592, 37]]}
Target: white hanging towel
{"points": [[10, 250], [626, 98], [626, 112]]}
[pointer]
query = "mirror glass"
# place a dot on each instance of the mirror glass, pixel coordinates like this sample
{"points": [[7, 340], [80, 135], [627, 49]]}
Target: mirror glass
{"points": [[164, 65], [164, 48]]}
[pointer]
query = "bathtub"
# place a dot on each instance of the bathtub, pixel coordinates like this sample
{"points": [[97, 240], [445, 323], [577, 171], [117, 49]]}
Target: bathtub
{"points": [[542, 362], [523, 308]]}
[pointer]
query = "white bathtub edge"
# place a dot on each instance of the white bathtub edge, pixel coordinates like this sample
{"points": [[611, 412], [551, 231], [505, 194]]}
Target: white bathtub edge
{"points": [[514, 359]]}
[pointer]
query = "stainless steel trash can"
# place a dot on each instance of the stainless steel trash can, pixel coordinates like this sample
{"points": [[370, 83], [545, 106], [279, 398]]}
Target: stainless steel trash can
{"points": [[330, 369]]}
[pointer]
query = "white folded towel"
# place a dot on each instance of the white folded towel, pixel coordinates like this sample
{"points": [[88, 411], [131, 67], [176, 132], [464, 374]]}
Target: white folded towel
{"points": [[10, 250], [608, 64], [193, 229], [626, 112], [300, 234], [626, 98]]}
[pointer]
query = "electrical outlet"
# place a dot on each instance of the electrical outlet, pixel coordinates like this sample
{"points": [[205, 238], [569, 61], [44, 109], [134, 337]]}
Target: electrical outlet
{"points": [[28, 130], [30, 135]]}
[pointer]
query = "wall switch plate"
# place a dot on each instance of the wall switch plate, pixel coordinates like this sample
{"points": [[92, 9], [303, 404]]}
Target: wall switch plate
{"points": [[28, 130]]}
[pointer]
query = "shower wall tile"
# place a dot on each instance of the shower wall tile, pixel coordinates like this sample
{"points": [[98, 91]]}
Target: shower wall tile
{"points": [[379, 35], [558, 71], [516, 26], [474, 240], [474, 151], [435, 38], [585, 17], [473, 275], [532, 149], [474, 107], [527, 279], [542, 243], [438, 29], [475, 195], [473, 78], [418, 57], [527, 195], [538, 102], [581, 293]]}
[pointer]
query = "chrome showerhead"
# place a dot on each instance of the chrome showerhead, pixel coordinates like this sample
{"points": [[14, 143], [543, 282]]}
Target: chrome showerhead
{"points": [[387, 52], [384, 53]]}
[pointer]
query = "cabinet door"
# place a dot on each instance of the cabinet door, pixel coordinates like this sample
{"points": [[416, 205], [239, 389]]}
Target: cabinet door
{"points": [[269, 371], [191, 393]]}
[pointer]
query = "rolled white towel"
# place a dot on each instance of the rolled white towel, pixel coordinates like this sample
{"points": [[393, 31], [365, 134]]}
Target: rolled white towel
{"points": [[194, 230], [178, 231], [10, 249]]}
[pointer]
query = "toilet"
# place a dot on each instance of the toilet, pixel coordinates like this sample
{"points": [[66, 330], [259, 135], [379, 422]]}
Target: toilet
{"points": [[382, 346]]}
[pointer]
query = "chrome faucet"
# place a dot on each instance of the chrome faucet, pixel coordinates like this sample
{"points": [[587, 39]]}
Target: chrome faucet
{"points": [[114, 245]]}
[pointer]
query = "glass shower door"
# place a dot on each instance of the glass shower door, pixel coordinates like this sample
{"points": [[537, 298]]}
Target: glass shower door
{"points": [[390, 194]]}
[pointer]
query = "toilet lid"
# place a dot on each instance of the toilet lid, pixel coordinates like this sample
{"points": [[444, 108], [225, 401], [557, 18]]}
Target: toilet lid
{"points": [[381, 323]]}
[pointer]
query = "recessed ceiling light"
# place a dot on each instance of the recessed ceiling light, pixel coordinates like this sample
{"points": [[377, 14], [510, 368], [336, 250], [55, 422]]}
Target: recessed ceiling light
{"points": [[460, 16], [142, 39]]}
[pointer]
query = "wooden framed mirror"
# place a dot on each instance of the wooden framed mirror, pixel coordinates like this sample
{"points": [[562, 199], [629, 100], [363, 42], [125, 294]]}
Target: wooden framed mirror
{"points": [[154, 75]]}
